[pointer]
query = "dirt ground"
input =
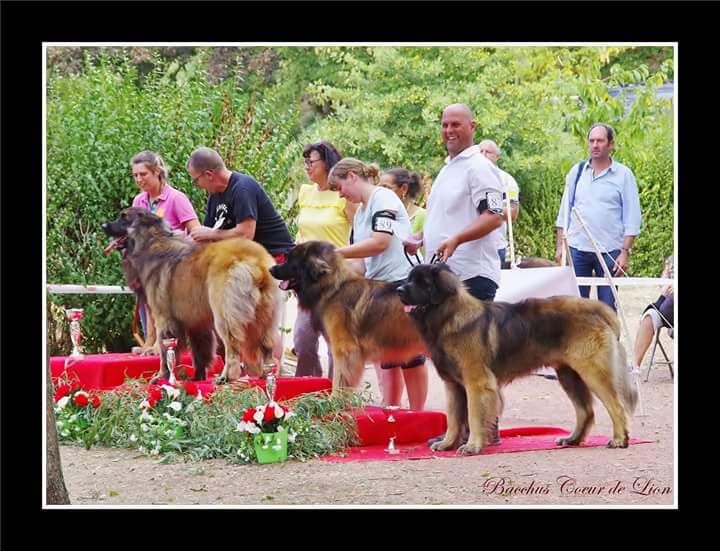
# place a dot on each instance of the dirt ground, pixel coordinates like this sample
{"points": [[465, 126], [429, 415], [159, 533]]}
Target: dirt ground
{"points": [[639, 476]]}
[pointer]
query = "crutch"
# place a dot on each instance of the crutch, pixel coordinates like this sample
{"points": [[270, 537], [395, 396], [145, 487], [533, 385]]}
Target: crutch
{"points": [[608, 277]]}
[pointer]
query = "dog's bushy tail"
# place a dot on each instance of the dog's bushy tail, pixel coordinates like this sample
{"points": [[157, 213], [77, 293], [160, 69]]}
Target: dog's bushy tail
{"points": [[624, 381]]}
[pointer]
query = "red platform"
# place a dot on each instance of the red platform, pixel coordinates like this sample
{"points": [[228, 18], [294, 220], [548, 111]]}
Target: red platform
{"points": [[409, 426], [106, 371]]}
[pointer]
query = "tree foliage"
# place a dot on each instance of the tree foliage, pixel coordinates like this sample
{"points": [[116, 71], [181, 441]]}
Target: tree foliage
{"points": [[258, 106]]}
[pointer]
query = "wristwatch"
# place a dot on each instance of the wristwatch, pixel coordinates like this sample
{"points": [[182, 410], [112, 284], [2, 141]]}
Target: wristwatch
{"points": [[629, 251]]}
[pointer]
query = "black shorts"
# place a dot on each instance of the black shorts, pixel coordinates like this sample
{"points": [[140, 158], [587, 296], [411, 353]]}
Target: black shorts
{"points": [[414, 362], [664, 305]]}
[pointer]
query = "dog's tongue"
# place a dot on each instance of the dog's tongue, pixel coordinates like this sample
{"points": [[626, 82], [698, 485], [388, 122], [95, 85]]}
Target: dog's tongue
{"points": [[284, 285], [408, 308], [114, 244]]}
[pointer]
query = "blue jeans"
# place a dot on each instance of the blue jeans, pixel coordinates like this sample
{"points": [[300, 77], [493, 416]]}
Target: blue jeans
{"points": [[585, 264]]}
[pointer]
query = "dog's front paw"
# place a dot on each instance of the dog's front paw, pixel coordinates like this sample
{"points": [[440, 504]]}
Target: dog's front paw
{"points": [[619, 443], [221, 380], [150, 350], [442, 445], [471, 448], [567, 441]]}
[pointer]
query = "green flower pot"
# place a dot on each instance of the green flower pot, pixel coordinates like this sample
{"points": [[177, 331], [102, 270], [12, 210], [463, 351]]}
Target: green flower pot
{"points": [[271, 447]]}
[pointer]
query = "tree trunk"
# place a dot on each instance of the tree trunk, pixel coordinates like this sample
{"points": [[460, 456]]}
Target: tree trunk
{"points": [[57, 493]]}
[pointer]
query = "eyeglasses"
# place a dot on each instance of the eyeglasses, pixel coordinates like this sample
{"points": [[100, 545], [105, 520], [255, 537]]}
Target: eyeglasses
{"points": [[195, 180], [310, 162]]}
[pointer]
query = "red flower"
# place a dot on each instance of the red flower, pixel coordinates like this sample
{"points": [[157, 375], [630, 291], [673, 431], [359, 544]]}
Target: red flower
{"points": [[154, 396], [191, 388], [62, 391], [81, 399], [248, 415], [95, 401], [269, 413]]}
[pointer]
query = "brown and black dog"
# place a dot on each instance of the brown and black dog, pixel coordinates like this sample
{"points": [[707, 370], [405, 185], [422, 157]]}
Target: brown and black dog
{"points": [[479, 346], [194, 289], [363, 320]]}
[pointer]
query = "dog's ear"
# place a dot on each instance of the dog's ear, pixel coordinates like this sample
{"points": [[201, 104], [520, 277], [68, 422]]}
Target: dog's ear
{"points": [[317, 267], [445, 284]]}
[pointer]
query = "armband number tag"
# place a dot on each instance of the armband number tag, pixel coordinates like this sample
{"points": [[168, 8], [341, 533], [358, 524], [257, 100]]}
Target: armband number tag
{"points": [[494, 201], [383, 224], [384, 221]]}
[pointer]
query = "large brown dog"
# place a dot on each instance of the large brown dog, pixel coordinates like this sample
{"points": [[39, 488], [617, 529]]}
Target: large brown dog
{"points": [[479, 346], [149, 345], [191, 287], [362, 319]]}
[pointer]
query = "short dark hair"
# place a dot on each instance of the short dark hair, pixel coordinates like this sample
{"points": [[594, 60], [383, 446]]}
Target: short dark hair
{"points": [[327, 151], [608, 130]]}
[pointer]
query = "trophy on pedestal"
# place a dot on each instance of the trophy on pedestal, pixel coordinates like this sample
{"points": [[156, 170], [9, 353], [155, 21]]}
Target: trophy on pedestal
{"points": [[74, 315], [170, 344], [390, 419], [270, 385]]}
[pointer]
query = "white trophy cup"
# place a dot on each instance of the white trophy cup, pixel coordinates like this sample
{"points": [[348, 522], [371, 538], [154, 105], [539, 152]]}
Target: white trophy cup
{"points": [[170, 344], [74, 315]]}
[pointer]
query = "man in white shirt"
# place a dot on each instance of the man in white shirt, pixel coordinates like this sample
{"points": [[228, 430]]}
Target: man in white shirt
{"points": [[491, 150], [464, 209]]}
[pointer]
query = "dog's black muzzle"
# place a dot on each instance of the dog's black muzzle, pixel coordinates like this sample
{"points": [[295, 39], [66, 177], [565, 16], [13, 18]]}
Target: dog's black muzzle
{"points": [[120, 242], [282, 273]]}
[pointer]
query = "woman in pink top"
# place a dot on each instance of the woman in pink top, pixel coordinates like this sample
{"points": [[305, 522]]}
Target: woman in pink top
{"points": [[159, 197]]}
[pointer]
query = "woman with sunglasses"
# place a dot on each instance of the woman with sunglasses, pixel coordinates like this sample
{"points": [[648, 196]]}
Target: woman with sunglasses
{"points": [[323, 215]]}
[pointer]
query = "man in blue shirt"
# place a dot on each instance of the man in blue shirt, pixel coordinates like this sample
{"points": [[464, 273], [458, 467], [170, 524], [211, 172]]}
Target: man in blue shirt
{"points": [[605, 194]]}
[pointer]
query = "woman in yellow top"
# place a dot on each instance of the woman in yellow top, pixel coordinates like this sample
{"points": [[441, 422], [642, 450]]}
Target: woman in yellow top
{"points": [[324, 216]]}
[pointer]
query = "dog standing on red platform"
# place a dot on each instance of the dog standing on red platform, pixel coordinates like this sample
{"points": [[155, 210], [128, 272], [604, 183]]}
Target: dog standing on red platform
{"points": [[192, 288], [363, 319], [477, 347]]}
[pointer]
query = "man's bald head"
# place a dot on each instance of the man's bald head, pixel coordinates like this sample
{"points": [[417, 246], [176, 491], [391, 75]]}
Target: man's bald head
{"points": [[459, 109], [458, 127]]}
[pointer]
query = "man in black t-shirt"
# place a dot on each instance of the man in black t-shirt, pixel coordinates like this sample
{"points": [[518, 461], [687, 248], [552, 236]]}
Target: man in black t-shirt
{"points": [[237, 205]]}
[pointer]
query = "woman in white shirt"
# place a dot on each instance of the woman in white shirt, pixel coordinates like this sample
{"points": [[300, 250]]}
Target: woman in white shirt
{"points": [[379, 226]]}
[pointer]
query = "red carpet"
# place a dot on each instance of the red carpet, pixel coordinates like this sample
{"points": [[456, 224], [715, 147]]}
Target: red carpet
{"points": [[518, 439]]}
